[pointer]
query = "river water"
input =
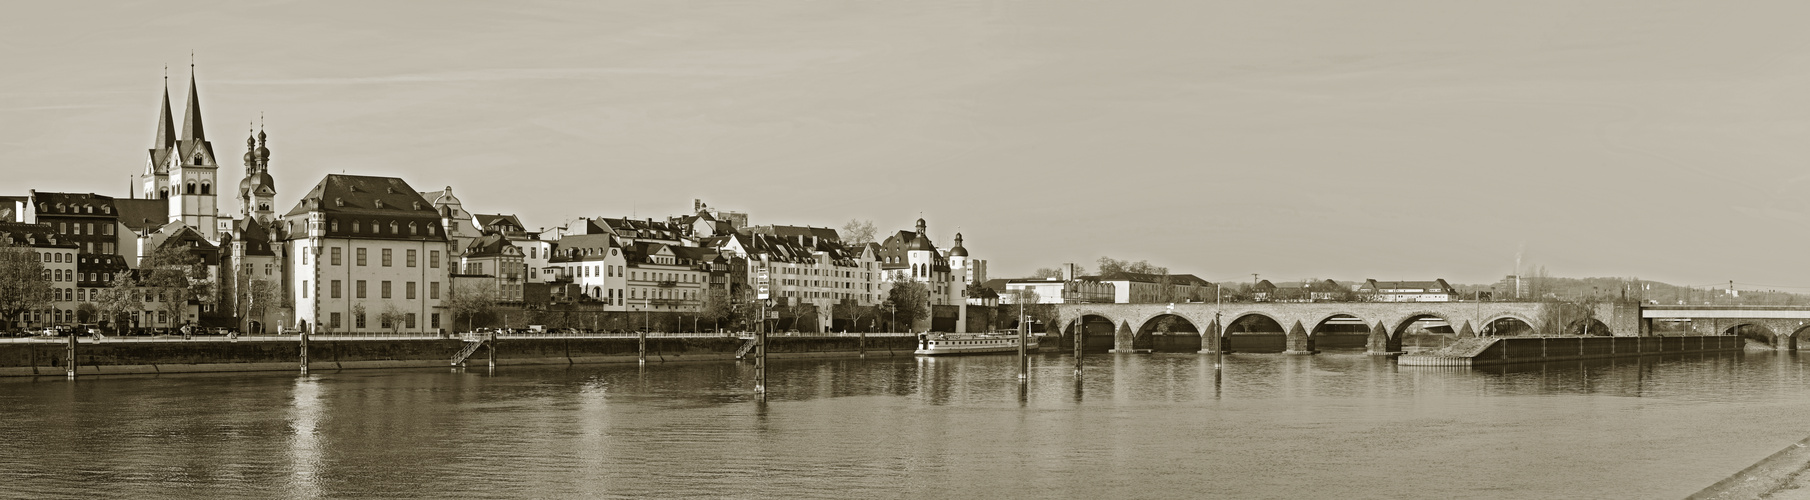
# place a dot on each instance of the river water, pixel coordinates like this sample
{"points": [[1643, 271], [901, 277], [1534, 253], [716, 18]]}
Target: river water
{"points": [[1138, 426]]}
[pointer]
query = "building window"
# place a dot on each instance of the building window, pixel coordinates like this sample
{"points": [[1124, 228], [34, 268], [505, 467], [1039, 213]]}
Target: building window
{"points": [[386, 257], [304, 289], [354, 226], [359, 288], [408, 290], [433, 259], [411, 321], [433, 290], [335, 288], [394, 229], [386, 289], [335, 252], [358, 320], [333, 320], [433, 320], [361, 256], [411, 257]]}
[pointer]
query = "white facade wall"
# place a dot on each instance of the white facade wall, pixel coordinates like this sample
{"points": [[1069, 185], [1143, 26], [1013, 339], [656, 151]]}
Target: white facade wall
{"points": [[427, 277]]}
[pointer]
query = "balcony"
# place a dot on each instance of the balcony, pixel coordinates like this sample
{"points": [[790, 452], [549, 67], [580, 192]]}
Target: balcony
{"points": [[668, 284]]}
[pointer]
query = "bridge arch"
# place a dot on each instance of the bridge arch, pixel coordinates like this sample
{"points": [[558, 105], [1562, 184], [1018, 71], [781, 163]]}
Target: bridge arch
{"points": [[1340, 330], [1168, 332], [1755, 330], [1429, 336], [1255, 331], [1095, 330], [1495, 326]]}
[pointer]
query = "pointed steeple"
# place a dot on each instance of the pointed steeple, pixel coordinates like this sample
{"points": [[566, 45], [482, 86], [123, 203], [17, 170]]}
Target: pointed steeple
{"points": [[166, 128], [191, 119]]}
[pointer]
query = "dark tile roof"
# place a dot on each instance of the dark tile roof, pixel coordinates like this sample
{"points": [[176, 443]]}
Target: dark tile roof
{"points": [[33, 235], [357, 201], [255, 235], [1174, 279], [142, 215], [488, 221], [489, 245], [792, 231]]}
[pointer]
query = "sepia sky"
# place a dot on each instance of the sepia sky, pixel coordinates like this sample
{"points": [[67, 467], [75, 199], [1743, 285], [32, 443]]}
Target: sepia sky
{"points": [[1342, 140]]}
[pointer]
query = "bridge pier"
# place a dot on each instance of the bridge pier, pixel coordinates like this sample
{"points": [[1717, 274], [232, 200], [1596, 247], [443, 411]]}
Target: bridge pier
{"points": [[1125, 339], [1298, 342], [1378, 344], [1212, 338]]}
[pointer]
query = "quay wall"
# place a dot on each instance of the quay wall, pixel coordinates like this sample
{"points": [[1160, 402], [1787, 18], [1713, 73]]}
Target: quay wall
{"points": [[1505, 350], [47, 358]]}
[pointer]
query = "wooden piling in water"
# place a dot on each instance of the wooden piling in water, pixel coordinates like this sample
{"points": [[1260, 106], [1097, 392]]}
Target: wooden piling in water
{"points": [[70, 366]]}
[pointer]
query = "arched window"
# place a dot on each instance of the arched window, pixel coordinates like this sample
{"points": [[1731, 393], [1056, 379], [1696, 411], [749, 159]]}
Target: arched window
{"points": [[206, 186], [197, 158], [191, 187], [264, 207], [163, 193]]}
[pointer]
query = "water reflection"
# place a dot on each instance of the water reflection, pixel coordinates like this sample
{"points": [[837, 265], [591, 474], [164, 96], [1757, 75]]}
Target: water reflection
{"points": [[305, 443]]}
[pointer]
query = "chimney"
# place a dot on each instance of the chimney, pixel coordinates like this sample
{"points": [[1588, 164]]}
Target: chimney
{"points": [[1068, 271]]}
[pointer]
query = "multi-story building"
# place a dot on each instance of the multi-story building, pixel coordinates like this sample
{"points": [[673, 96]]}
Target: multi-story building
{"points": [[60, 265], [1406, 291], [1053, 291], [809, 267], [910, 255], [493, 256], [368, 253], [589, 268], [1143, 288]]}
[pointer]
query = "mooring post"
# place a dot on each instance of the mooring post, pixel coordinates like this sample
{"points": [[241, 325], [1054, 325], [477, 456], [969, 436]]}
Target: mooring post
{"points": [[1024, 363], [760, 363], [492, 349], [861, 345], [304, 353], [643, 345], [70, 366], [1080, 341]]}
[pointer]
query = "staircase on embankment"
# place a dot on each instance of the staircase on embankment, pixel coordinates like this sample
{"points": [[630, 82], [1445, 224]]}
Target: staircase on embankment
{"points": [[1504, 350]]}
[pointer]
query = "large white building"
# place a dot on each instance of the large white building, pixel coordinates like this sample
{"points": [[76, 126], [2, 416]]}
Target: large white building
{"points": [[367, 254]]}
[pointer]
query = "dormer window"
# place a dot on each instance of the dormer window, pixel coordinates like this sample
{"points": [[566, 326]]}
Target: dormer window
{"points": [[354, 226], [430, 230], [379, 203], [412, 229], [390, 190], [339, 202], [334, 225], [60, 208], [106, 209], [417, 205]]}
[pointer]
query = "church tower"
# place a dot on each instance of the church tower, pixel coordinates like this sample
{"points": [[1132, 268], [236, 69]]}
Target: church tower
{"points": [[192, 171], [154, 184], [258, 191]]}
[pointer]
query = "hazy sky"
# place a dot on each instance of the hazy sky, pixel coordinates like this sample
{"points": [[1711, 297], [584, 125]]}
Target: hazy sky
{"points": [[1343, 140]]}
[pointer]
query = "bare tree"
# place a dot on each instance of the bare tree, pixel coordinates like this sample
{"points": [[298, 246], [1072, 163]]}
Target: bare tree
{"points": [[392, 316], [24, 283], [120, 299], [858, 232], [908, 298], [177, 277], [716, 307], [258, 295], [472, 302], [1046, 273]]}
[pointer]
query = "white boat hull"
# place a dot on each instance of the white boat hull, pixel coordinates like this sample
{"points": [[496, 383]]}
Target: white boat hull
{"points": [[971, 345]]}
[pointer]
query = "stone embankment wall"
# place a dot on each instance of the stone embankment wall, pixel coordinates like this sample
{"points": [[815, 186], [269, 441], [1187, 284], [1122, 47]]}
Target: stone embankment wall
{"points": [[1502, 350], [47, 358]]}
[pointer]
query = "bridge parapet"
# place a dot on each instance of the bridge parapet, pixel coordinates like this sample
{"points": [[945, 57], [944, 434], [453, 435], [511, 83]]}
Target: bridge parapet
{"points": [[1392, 317]]}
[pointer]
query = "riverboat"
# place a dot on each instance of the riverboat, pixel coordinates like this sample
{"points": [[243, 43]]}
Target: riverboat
{"points": [[987, 343]]}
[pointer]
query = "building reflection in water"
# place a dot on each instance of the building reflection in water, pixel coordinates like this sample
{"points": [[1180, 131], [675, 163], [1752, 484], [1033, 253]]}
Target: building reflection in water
{"points": [[305, 443]]}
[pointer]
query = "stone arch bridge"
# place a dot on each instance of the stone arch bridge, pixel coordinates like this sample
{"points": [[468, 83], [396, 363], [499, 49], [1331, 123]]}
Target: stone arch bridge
{"points": [[1301, 321]]}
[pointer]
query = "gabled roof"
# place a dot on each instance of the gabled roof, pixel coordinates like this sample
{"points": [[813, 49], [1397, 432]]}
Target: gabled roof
{"points": [[488, 221], [490, 245], [255, 235], [52, 204]]}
